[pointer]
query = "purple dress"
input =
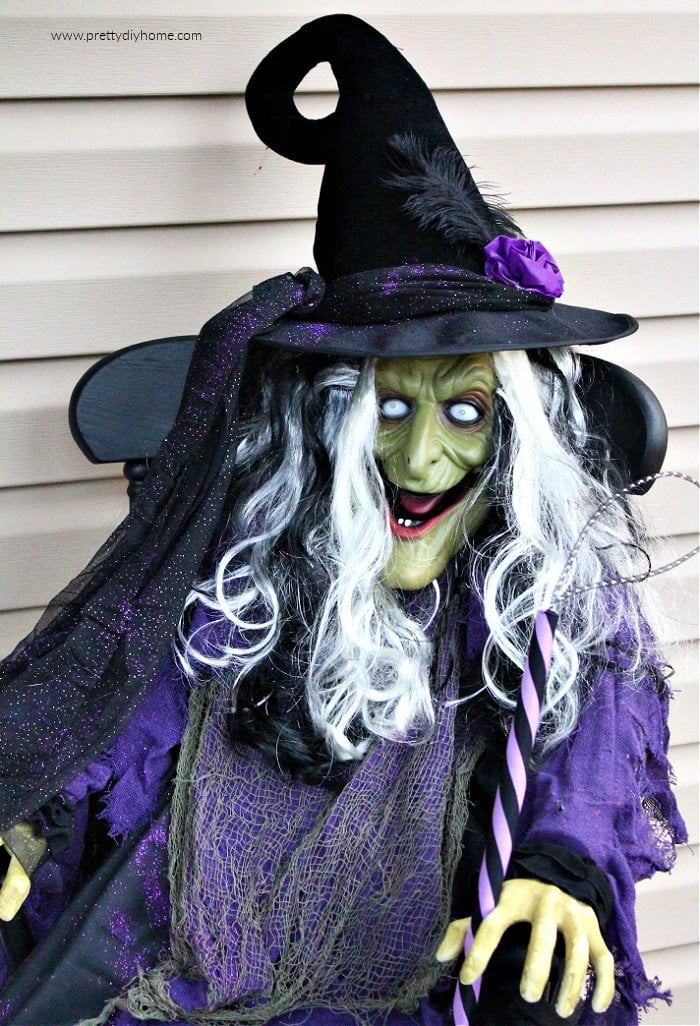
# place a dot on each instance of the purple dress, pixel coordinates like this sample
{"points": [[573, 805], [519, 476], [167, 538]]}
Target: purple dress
{"points": [[604, 793]]}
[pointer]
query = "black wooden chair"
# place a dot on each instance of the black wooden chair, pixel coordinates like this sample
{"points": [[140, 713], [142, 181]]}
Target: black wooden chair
{"points": [[124, 405]]}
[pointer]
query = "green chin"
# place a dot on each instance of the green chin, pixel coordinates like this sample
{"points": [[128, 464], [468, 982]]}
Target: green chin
{"points": [[415, 562]]}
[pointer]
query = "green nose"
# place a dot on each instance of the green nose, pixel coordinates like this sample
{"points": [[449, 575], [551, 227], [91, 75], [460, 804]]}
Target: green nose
{"points": [[423, 447]]}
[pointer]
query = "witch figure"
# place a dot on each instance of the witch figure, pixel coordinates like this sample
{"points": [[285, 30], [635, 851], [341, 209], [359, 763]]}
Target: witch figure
{"points": [[249, 755]]}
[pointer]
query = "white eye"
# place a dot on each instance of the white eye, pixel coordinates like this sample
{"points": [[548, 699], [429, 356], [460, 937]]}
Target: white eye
{"points": [[393, 408], [463, 413]]}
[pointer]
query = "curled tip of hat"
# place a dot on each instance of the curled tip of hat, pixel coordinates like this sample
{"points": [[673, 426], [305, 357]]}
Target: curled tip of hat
{"points": [[385, 139]]}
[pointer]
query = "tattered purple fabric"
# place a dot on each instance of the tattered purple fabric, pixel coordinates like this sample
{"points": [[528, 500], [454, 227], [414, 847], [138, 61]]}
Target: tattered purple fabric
{"points": [[132, 772], [290, 896], [129, 780], [605, 792]]}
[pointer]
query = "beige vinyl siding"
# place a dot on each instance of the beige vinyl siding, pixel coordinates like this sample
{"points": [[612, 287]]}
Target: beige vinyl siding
{"points": [[463, 44], [136, 201], [157, 149]]}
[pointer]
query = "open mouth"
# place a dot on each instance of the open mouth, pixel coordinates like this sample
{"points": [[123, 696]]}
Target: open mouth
{"points": [[413, 514]]}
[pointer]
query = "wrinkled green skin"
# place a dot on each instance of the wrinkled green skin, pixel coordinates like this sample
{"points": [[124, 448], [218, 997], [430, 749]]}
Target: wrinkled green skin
{"points": [[426, 452]]}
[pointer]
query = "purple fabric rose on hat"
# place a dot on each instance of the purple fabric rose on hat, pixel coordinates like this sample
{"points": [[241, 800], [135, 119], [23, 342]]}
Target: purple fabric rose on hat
{"points": [[525, 263]]}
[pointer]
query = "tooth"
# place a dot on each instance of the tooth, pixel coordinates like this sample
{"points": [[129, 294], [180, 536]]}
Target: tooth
{"points": [[400, 521]]}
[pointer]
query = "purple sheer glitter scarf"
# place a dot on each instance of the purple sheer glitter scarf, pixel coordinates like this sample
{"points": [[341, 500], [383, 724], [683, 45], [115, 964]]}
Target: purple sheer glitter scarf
{"points": [[287, 896], [70, 687]]}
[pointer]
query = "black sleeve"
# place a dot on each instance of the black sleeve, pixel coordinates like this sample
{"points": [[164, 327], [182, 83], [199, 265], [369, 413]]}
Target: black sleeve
{"points": [[47, 832], [577, 875], [54, 822], [500, 1003], [28, 847]]}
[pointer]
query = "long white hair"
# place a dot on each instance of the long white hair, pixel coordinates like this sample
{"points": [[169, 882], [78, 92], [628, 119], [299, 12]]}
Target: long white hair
{"points": [[312, 508], [368, 662], [551, 477]]}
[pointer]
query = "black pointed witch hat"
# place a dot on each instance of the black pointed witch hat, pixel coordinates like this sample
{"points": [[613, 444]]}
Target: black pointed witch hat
{"points": [[384, 111], [416, 260]]}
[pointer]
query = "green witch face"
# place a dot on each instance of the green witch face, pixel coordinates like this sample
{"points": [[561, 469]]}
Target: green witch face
{"points": [[434, 435]]}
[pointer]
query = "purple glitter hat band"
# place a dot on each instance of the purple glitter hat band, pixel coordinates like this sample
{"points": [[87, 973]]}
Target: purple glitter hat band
{"points": [[386, 294], [436, 309], [524, 263]]}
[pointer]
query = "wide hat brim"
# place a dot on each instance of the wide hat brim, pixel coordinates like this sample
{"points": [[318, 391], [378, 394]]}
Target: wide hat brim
{"points": [[433, 310], [463, 332]]}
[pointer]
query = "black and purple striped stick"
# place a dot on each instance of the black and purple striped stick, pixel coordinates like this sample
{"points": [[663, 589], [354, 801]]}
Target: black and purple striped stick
{"points": [[509, 795]]}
